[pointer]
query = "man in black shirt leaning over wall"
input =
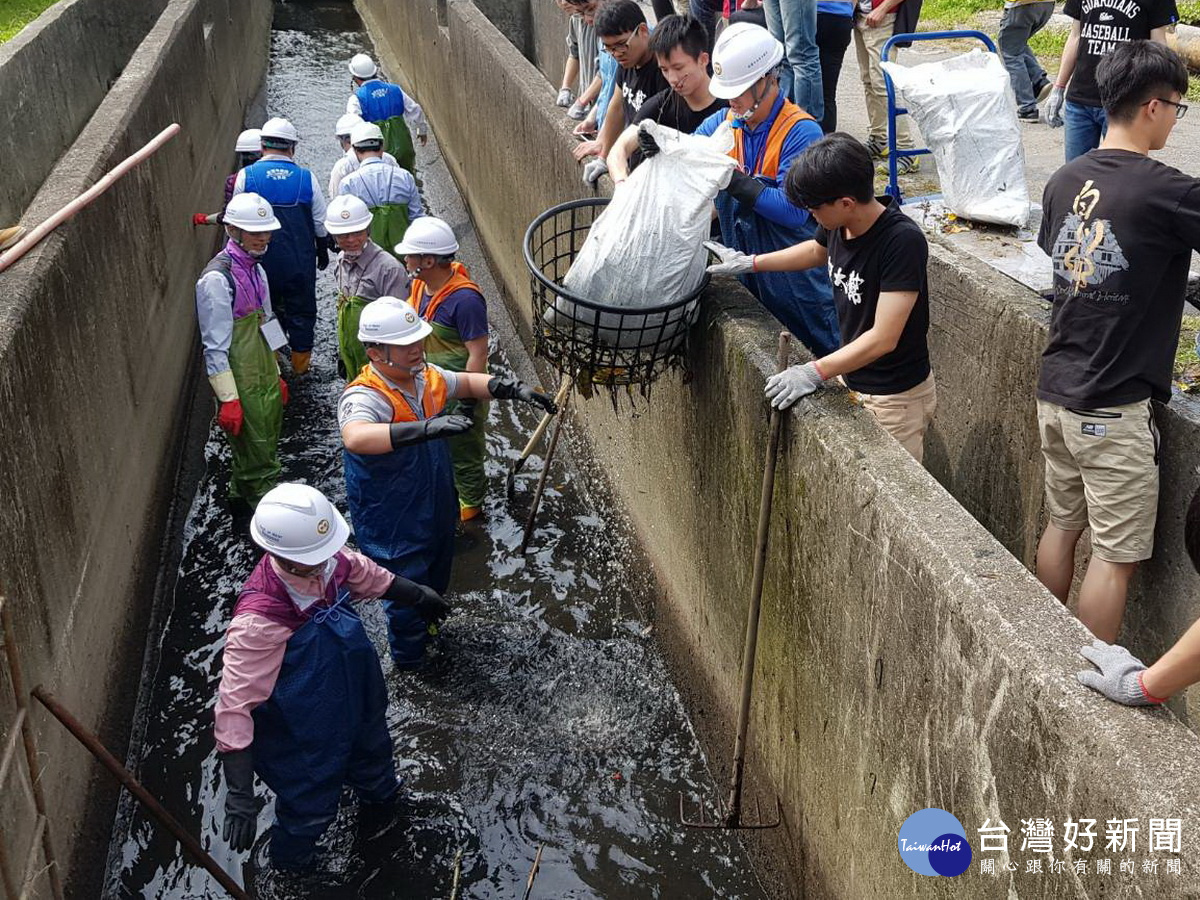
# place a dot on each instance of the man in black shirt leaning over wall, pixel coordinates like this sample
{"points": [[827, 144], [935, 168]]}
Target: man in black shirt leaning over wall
{"points": [[679, 44], [1119, 228], [622, 29], [876, 257]]}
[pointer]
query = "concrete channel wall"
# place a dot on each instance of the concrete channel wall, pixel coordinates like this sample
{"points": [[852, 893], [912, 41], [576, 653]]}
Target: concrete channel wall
{"points": [[53, 75], [97, 354], [907, 658]]}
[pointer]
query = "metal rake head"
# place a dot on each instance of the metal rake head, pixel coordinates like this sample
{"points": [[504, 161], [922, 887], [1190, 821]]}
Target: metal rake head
{"points": [[736, 817]]}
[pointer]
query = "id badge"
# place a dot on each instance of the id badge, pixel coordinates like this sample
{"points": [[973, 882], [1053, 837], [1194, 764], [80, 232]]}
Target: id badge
{"points": [[273, 332]]}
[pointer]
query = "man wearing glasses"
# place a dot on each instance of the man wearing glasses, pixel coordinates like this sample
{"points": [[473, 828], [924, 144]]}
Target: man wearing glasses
{"points": [[1120, 229], [622, 29]]}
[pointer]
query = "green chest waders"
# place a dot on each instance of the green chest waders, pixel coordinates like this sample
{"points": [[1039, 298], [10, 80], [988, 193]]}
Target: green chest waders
{"points": [[397, 140], [467, 451], [350, 349], [256, 449], [388, 224]]}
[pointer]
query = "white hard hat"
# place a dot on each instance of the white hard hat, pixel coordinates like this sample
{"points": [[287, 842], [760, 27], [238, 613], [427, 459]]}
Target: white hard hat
{"points": [[346, 214], [743, 54], [390, 320], [249, 141], [428, 236], [366, 133], [280, 129], [346, 124], [250, 212], [362, 66], [297, 522]]}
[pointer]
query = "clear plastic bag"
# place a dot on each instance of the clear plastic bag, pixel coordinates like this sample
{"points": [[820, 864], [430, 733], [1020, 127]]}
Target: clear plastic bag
{"points": [[967, 114]]}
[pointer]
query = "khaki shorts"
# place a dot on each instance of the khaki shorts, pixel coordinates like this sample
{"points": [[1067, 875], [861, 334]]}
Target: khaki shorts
{"points": [[1102, 471], [906, 415]]}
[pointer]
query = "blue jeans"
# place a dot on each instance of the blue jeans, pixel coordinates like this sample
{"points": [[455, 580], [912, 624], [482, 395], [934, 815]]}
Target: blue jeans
{"points": [[1083, 127], [1017, 25], [794, 24]]}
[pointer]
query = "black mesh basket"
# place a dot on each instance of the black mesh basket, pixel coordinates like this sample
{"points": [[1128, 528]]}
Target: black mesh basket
{"points": [[594, 343]]}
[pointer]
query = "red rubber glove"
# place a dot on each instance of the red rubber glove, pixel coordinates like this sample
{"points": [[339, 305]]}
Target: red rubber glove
{"points": [[199, 219], [230, 417], [283, 391]]}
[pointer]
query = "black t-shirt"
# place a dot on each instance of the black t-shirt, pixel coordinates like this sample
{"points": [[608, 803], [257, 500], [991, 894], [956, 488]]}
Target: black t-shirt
{"points": [[637, 86], [1103, 25], [1119, 228], [668, 108], [890, 256]]}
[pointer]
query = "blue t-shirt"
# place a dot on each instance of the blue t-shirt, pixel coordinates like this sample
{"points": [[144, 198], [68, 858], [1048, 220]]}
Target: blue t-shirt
{"points": [[836, 8], [463, 310]]}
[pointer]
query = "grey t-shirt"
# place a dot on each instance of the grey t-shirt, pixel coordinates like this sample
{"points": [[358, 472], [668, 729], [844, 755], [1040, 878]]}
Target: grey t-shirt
{"points": [[363, 404], [583, 45]]}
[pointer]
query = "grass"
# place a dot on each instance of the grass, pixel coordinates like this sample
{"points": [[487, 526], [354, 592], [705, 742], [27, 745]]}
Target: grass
{"points": [[16, 14], [1189, 11], [1187, 364]]}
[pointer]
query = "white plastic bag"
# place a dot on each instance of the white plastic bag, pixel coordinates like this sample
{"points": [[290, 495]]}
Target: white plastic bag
{"points": [[646, 248], [965, 109]]}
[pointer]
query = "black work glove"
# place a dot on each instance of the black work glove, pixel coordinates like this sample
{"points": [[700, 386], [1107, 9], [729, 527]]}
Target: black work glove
{"points": [[322, 248], [241, 806], [511, 389], [744, 189], [406, 433], [425, 600], [330, 242], [647, 144]]}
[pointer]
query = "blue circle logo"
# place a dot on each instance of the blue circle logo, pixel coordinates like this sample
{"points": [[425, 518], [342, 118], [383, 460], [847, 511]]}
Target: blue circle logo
{"points": [[933, 842]]}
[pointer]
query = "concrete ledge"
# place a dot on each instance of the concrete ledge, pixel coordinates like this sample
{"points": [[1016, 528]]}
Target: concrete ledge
{"points": [[907, 659], [97, 344], [53, 75]]}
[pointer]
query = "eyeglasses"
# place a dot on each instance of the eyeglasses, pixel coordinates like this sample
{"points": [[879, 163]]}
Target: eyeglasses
{"points": [[1180, 108], [619, 47]]}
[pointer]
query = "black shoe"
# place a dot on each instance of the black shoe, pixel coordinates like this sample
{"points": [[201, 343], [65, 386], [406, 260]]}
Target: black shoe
{"points": [[1029, 115], [1041, 90]]}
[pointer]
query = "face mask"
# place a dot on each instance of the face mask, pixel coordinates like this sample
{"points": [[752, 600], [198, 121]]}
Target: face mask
{"points": [[257, 254], [348, 254], [304, 601]]}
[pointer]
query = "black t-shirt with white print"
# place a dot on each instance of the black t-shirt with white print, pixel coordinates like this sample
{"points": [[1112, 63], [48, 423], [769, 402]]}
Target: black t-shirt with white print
{"points": [[638, 85], [1119, 228], [891, 256], [1102, 25]]}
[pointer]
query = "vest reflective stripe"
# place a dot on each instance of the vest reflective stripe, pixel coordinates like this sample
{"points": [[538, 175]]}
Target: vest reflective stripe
{"points": [[380, 100], [280, 182], [433, 401], [459, 280], [789, 115]]}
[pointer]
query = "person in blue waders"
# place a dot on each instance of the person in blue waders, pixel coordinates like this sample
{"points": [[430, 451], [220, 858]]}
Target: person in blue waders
{"points": [[386, 105], [399, 477], [301, 246], [756, 217], [302, 700]]}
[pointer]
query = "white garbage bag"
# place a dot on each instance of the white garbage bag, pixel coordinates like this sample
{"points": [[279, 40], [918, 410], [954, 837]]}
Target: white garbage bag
{"points": [[967, 114], [646, 248]]}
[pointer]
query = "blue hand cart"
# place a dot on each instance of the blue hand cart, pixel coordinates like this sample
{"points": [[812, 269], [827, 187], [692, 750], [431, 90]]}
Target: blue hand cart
{"points": [[893, 187]]}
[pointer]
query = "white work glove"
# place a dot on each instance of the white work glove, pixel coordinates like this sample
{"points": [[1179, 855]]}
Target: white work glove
{"points": [[565, 98], [578, 110], [786, 387], [1120, 675], [1052, 108], [593, 170], [733, 262]]}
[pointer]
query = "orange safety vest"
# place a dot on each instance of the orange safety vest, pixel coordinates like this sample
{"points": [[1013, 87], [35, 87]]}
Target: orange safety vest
{"points": [[433, 402], [459, 280], [789, 115]]}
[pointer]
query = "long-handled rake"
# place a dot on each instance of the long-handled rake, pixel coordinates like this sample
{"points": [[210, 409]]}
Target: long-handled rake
{"points": [[733, 816], [510, 482]]}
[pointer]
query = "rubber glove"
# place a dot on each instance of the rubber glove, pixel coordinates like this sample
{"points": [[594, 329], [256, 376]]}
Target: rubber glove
{"points": [[578, 110], [1052, 108], [425, 600], [322, 254], [744, 189], [565, 98], [283, 391], [647, 144], [241, 807], [1120, 675], [593, 170], [733, 262], [404, 434], [786, 387], [230, 416], [511, 389]]}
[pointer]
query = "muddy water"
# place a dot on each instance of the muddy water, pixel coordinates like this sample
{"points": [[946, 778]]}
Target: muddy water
{"points": [[547, 717]]}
